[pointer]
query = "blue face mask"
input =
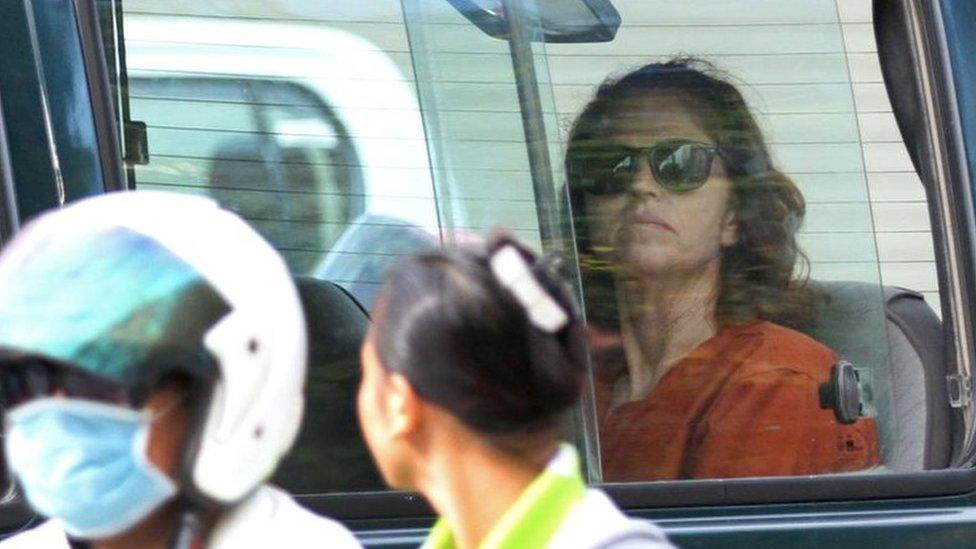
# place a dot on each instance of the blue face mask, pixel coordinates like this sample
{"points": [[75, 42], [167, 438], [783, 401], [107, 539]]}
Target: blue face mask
{"points": [[85, 463]]}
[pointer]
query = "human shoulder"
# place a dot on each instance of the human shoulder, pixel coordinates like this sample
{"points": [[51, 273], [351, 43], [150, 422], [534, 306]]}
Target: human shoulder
{"points": [[322, 531], [784, 350], [596, 523], [48, 535], [270, 514]]}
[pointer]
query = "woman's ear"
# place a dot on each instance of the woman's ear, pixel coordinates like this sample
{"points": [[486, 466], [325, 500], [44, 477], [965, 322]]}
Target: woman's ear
{"points": [[404, 406], [730, 229]]}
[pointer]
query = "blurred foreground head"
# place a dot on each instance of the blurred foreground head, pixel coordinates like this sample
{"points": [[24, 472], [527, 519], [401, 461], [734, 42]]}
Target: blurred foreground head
{"points": [[482, 342], [151, 344]]}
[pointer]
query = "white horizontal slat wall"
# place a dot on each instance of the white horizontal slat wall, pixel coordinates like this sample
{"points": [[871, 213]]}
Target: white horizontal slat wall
{"points": [[901, 221], [284, 44], [476, 155]]}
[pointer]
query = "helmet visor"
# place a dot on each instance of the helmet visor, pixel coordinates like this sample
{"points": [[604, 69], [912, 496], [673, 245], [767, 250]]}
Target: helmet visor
{"points": [[113, 303]]}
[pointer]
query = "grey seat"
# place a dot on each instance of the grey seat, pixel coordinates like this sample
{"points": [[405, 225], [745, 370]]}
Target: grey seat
{"points": [[330, 454], [894, 336], [889, 333]]}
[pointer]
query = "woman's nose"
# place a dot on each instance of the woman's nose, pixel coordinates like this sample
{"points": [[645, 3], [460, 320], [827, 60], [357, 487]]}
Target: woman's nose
{"points": [[644, 184]]}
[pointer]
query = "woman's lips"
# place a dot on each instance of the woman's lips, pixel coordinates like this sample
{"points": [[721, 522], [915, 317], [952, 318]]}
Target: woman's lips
{"points": [[644, 218]]}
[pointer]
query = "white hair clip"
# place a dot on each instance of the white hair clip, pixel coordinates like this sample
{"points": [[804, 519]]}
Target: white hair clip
{"points": [[512, 271]]}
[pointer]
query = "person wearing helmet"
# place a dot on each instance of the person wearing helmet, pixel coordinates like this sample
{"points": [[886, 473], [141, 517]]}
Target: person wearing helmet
{"points": [[152, 360]]}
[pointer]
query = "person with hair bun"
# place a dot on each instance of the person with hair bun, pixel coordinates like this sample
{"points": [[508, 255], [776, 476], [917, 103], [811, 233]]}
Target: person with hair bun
{"points": [[686, 234], [470, 368]]}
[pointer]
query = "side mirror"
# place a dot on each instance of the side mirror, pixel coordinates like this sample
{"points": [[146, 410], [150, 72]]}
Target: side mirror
{"points": [[561, 20]]}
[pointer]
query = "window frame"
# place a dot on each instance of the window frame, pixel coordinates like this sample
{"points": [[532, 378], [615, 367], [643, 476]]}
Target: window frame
{"points": [[959, 217], [953, 229], [938, 153], [659, 499], [99, 89], [8, 205]]}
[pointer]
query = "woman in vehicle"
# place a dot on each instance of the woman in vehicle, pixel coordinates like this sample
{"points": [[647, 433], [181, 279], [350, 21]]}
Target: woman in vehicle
{"points": [[687, 239], [151, 372], [474, 358]]}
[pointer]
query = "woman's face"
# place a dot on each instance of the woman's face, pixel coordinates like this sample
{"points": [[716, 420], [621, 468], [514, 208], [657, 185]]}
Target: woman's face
{"points": [[651, 230], [168, 431]]}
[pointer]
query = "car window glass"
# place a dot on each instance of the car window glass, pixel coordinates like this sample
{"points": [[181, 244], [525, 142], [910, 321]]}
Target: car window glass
{"points": [[836, 168], [307, 120], [352, 134]]}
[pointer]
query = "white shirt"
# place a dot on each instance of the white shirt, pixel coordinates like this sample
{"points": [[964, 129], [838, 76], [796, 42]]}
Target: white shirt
{"points": [[267, 518], [596, 523]]}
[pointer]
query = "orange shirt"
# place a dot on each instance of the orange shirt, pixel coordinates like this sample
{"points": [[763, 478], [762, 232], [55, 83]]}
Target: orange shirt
{"points": [[744, 403]]}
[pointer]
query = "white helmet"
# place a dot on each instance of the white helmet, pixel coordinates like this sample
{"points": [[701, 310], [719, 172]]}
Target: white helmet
{"points": [[133, 286]]}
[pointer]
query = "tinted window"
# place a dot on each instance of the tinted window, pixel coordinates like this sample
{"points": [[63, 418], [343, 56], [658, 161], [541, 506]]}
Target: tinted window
{"points": [[351, 135]]}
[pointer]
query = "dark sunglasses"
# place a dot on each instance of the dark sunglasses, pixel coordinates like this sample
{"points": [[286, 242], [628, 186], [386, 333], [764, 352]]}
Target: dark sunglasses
{"points": [[678, 165], [27, 379]]}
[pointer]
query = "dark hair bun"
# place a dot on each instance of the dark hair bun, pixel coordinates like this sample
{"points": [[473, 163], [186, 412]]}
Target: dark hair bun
{"points": [[466, 342]]}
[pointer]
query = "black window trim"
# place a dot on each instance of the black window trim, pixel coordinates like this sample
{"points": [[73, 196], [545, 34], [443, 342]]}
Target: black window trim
{"points": [[9, 221], [649, 496], [919, 80], [99, 89], [956, 234]]}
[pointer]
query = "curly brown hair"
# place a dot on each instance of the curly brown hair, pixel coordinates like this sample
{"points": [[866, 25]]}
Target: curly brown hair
{"points": [[758, 275]]}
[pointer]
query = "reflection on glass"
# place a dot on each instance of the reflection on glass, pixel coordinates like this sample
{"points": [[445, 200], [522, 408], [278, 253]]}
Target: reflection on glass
{"points": [[367, 249], [687, 239]]}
